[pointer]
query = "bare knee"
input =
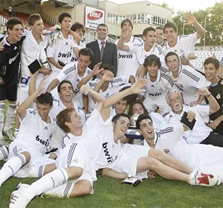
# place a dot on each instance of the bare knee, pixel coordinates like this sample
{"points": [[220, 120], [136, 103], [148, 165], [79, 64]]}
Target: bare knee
{"points": [[74, 172], [81, 188], [49, 168], [157, 154], [152, 163], [27, 156]]}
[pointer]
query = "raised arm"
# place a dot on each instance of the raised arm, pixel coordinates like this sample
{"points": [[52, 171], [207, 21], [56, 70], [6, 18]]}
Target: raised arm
{"points": [[26, 104], [32, 83], [121, 44], [105, 104], [134, 89], [213, 104], [108, 76], [96, 70], [52, 85], [191, 20]]}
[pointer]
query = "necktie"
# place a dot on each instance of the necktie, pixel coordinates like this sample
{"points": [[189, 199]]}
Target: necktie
{"points": [[102, 50]]}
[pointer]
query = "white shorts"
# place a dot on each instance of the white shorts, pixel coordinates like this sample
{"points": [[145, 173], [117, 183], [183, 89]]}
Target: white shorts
{"points": [[128, 159], [75, 155], [37, 162], [16, 147], [66, 189]]}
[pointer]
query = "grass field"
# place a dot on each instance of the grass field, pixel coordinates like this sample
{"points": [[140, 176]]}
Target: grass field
{"points": [[110, 193]]}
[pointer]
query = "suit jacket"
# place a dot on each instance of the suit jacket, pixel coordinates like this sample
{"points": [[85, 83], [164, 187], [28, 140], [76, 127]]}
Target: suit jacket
{"points": [[109, 55]]}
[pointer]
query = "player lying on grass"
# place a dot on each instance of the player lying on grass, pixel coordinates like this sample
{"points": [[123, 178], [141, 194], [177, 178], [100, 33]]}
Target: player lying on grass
{"points": [[104, 150], [205, 158]]}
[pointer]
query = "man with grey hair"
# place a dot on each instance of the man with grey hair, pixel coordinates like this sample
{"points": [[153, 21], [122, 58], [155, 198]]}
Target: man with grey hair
{"points": [[200, 133]]}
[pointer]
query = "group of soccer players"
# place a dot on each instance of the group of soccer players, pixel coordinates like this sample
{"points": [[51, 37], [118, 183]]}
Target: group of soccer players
{"points": [[72, 120]]}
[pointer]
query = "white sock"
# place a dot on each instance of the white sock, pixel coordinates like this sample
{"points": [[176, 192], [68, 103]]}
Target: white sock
{"points": [[11, 167], [36, 171], [10, 115], [4, 153], [2, 109], [47, 182]]}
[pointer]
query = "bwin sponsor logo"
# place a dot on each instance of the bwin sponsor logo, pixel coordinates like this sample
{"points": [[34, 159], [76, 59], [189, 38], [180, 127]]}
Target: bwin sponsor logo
{"points": [[107, 154], [124, 56], [64, 55]]}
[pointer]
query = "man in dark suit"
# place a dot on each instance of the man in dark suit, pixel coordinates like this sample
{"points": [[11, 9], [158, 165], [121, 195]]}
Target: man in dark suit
{"points": [[103, 50]]}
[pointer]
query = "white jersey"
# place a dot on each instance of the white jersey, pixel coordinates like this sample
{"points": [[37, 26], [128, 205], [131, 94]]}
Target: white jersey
{"points": [[185, 45], [80, 46], [58, 134], [58, 106], [113, 88], [205, 158], [70, 73], [34, 132], [127, 61], [61, 49], [160, 86], [31, 51], [189, 81], [97, 137], [156, 91], [155, 50], [200, 131]]}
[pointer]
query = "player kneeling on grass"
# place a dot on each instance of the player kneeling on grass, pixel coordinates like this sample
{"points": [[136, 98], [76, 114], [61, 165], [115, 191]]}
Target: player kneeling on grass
{"points": [[33, 138]]}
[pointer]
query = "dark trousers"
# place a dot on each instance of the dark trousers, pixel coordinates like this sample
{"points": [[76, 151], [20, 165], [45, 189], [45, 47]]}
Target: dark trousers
{"points": [[214, 139]]}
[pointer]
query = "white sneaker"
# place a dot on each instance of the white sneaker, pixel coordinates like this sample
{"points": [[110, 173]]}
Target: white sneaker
{"points": [[202, 179], [18, 198]]}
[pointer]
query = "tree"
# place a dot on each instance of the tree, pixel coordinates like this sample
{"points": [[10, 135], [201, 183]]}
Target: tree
{"points": [[211, 19]]}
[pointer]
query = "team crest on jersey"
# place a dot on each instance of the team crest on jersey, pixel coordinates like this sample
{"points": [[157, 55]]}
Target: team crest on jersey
{"points": [[15, 48], [218, 96], [76, 160]]}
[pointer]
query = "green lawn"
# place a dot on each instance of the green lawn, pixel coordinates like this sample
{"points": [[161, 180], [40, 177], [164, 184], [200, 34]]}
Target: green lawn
{"points": [[110, 193]]}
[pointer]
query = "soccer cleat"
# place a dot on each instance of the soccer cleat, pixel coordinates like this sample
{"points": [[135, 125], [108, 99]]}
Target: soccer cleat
{"points": [[18, 199], [211, 176], [206, 179]]}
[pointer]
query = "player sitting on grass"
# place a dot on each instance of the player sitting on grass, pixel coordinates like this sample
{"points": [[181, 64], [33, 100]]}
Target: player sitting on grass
{"points": [[33, 138], [205, 158], [104, 151]]}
